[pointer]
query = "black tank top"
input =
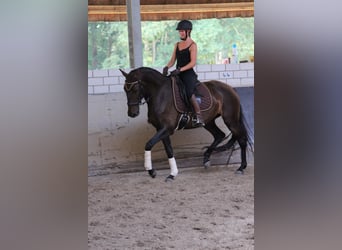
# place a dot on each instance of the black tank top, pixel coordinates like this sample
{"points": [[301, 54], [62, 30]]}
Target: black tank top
{"points": [[188, 77], [183, 56]]}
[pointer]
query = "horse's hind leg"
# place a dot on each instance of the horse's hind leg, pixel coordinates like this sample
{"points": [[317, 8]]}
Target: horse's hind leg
{"points": [[226, 146], [240, 134], [243, 146], [218, 138]]}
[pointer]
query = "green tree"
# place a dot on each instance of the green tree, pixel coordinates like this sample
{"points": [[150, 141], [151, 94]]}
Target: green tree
{"points": [[108, 41], [107, 45]]}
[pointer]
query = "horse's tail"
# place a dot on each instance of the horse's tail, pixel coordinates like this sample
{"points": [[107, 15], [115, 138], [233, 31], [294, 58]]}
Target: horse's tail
{"points": [[247, 129]]}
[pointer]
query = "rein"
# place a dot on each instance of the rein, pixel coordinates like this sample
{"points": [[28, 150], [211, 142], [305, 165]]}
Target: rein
{"points": [[128, 87]]}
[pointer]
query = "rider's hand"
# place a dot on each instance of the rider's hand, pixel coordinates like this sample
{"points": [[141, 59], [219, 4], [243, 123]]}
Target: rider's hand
{"points": [[165, 69], [175, 72]]}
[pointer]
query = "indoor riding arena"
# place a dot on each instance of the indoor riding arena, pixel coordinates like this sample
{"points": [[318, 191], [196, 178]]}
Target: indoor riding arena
{"points": [[203, 207]]}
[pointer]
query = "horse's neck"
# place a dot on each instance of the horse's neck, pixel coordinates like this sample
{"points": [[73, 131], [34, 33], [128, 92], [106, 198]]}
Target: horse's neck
{"points": [[153, 80], [154, 85], [158, 95]]}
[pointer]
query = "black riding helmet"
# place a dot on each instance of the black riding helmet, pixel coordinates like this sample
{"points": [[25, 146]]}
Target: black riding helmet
{"points": [[184, 25]]}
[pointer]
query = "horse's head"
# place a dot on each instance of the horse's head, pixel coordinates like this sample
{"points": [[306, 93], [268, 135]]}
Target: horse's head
{"points": [[133, 90]]}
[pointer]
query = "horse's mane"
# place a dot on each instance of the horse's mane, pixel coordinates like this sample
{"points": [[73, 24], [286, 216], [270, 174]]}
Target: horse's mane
{"points": [[146, 69]]}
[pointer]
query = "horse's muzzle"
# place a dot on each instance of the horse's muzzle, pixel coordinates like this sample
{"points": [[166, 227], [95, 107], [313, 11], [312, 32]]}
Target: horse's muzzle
{"points": [[133, 114]]}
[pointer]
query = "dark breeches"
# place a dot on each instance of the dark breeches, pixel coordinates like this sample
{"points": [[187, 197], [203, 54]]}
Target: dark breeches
{"points": [[189, 80]]}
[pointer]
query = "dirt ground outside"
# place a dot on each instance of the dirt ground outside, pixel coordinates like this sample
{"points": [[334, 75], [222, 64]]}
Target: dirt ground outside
{"points": [[201, 209]]}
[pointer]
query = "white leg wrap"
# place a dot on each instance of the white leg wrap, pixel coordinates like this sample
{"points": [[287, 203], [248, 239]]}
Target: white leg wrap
{"points": [[148, 160], [173, 166]]}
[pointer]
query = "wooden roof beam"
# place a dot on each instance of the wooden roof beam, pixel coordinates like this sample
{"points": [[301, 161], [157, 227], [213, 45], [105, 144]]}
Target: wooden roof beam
{"points": [[172, 11]]}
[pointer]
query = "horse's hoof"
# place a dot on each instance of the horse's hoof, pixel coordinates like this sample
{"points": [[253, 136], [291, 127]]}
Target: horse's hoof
{"points": [[239, 171], [169, 178], [152, 173], [206, 164]]}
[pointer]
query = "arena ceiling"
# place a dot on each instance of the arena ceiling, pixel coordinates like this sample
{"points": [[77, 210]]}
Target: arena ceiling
{"points": [[155, 10]]}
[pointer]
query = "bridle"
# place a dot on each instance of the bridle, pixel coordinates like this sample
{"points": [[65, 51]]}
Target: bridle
{"points": [[129, 86]]}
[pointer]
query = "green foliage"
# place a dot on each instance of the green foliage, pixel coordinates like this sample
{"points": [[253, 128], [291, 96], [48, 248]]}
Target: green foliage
{"points": [[108, 41], [107, 45]]}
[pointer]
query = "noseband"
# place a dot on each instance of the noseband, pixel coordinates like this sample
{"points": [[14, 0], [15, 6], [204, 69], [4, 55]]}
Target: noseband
{"points": [[128, 87]]}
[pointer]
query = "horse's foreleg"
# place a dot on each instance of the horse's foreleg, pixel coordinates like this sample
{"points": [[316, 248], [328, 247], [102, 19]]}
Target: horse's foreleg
{"points": [[148, 147], [172, 160], [148, 164]]}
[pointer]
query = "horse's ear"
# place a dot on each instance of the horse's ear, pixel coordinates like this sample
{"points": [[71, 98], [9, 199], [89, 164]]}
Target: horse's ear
{"points": [[123, 73]]}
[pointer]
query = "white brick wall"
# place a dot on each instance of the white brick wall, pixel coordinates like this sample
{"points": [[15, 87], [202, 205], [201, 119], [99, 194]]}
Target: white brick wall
{"points": [[234, 82], [251, 73], [203, 68], [236, 75], [101, 89], [111, 80], [233, 66], [100, 73], [95, 81], [211, 75], [114, 72], [226, 74], [246, 82], [218, 67], [240, 74], [90, 90], [246, 66], [115, 88]]}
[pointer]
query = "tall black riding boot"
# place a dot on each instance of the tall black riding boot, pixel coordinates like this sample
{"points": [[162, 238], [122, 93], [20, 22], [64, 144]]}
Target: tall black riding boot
{"points": [[198, 121]]}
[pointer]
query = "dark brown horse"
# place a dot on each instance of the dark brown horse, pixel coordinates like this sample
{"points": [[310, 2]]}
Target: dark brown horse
{"points": [[156, 89]]}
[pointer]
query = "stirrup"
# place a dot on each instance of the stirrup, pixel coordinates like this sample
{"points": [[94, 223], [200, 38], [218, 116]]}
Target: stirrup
{"points": [[197, 122]]}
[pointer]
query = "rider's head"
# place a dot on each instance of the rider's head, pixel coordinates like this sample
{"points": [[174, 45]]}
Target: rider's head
{"points": [[186, 27]]}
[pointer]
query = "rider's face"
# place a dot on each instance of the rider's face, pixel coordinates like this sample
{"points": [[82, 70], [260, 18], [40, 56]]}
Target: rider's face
{"points": [[182, 33]]}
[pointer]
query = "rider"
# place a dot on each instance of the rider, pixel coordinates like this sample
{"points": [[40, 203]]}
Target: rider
{"points": [[185, 52]]}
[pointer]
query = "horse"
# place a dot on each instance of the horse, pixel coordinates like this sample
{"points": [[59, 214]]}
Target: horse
{"points": [[156, 89]]}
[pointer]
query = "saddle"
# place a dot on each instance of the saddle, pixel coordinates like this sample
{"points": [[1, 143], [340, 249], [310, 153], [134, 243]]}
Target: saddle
{"points": [[183, 106], [202, 92]]}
